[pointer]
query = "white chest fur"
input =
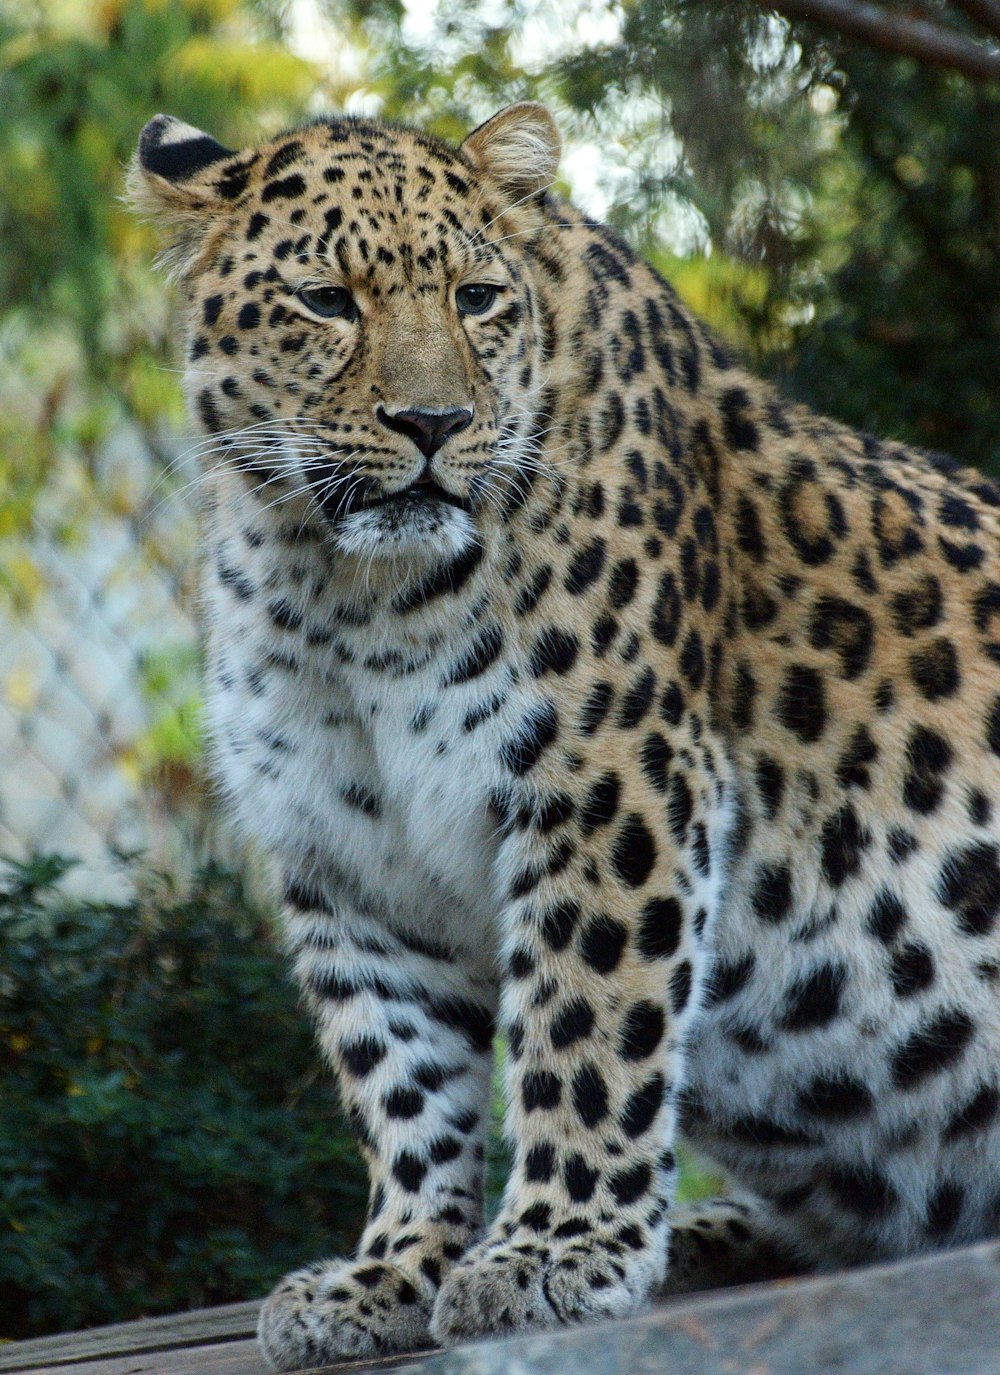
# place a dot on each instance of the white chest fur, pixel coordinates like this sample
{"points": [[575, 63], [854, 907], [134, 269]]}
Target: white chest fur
{"points": [[363, 775]]}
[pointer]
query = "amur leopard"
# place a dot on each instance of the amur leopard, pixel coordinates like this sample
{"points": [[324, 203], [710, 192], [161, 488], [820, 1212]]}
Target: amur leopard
{"points": [[583, 688]]}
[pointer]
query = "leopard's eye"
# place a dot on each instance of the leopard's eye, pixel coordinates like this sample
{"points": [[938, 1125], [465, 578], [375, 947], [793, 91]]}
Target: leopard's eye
{"points": [[476, 298], [328, 301]]}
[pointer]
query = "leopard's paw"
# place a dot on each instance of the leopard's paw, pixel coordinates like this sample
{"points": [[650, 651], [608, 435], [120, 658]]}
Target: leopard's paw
{"points": [[340, 1310], [504, 1287]]}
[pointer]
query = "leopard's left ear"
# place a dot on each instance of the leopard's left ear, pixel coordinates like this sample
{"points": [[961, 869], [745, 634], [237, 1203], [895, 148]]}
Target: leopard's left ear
{"points": [[177, 152], [519, 148], [178, 177]]}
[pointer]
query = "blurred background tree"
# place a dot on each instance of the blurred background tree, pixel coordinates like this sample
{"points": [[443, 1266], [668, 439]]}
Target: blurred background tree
{"points": [[167, 1136], [819, 178]]}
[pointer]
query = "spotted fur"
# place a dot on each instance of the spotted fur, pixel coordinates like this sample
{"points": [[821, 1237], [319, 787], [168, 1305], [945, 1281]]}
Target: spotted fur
{"points": [[579, 684]]}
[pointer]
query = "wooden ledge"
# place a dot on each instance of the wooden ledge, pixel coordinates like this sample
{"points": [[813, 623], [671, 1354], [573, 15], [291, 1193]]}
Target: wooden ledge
{"points": [[939, 1315]]}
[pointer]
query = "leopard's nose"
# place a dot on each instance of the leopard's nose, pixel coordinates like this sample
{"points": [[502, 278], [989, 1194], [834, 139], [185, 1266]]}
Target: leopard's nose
{"points": [[428, 429]]}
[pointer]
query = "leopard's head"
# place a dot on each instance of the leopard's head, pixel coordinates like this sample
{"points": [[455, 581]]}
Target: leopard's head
{"points": [[363, 332]]}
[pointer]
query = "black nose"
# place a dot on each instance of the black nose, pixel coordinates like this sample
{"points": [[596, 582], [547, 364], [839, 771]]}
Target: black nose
{"points": [[428, 429]]}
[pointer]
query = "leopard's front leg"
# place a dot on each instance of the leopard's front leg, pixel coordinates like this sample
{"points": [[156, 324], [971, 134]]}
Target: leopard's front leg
{"points": [[408, 1027], [603, 962]]}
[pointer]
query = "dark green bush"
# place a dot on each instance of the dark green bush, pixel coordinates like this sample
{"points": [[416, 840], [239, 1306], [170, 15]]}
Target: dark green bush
{"points": [[167, 1138]]}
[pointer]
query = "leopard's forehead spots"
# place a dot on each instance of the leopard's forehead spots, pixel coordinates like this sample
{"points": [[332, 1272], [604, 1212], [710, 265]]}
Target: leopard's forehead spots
{"points": [[379, 207]]}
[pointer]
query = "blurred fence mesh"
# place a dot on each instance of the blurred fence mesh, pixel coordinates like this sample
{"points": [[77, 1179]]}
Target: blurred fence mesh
{"points": [[99, 721]]}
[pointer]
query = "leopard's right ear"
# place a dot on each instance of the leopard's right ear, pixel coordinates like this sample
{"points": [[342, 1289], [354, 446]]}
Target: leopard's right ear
{"points": [[178, 177], [519, 148]]}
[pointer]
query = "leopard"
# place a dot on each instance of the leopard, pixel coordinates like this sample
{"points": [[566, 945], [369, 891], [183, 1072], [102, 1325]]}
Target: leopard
{"points": [[595, 701]]}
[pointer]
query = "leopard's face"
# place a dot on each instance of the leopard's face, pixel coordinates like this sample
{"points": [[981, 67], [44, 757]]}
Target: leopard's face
{"points": [[362, 333]]}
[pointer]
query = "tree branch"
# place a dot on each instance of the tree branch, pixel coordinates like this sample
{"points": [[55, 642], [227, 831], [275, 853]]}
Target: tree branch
{"points": [[898, 33], [985, 12]]}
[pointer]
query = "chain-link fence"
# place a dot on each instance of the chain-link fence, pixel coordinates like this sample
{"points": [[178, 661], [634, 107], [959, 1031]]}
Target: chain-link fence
{"points": [[98, 670]]}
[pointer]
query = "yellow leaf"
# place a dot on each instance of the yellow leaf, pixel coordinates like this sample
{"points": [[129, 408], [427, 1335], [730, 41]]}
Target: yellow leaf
{"points": [[20, 689], [25, 575], [130, 766], [256, 71]]}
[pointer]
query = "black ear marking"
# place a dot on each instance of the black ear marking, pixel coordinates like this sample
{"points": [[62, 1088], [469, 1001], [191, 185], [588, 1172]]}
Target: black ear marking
{"points": [[176, 151]]}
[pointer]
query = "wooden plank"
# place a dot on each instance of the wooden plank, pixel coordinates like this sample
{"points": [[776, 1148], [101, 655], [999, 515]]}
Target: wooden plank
{"points": [[147, 1334], [221, 1358], [935, 1316], [225, 1358]]}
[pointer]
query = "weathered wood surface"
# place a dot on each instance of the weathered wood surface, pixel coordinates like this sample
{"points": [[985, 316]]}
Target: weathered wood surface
{"points": [[935, 1316], [149, 1334]]}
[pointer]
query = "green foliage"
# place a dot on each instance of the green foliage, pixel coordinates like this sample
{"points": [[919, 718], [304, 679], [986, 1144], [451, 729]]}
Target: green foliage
{"points": [[167, 1138], [77, 83], [905, 341], [85, 347]]}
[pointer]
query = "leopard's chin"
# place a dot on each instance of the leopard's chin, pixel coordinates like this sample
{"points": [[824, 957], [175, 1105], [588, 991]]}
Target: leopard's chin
{"points": [[418, 531]]}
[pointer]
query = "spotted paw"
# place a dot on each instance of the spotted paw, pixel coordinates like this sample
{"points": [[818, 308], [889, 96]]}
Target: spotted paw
{"points": [[509, 1288], [341, 1309]]}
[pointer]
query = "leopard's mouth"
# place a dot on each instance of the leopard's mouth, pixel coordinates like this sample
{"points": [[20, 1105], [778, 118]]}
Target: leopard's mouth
{"points": [[417, 494], [366, 495]]}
